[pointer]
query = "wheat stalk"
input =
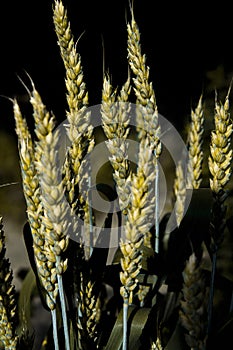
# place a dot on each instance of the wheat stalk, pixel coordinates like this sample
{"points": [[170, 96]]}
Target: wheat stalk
{"points": [[9, 338], [195, 152], [193, 305]]}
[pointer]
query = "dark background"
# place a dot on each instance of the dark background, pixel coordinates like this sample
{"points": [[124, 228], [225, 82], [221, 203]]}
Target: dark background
{"points": [[188, 47]]}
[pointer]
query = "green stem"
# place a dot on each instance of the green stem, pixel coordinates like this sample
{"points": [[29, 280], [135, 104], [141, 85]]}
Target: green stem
{"points": [[125, 323], [157, 207], [90, 215], [63, 308], [211, 295], [55, 335]]}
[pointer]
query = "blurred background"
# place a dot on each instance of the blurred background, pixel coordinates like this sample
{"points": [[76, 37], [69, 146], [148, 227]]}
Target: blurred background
{"points": [[188, 49]]}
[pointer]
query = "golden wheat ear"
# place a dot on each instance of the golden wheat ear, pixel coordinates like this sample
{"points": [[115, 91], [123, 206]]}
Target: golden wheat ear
{"points": [[115, 119], [195, 141]]}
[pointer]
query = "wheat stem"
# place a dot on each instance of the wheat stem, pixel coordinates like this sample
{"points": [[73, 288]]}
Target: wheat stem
{"points": [[55, 334]]}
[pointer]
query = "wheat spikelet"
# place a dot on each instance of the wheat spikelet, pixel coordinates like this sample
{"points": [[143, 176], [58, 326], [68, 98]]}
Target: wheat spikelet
{"points": [[8, 336], [193, 310], [195, 141], [115, 121]]}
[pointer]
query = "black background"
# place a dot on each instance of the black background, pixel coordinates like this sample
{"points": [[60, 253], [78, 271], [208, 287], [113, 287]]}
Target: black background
{"points": [[182, 41]]}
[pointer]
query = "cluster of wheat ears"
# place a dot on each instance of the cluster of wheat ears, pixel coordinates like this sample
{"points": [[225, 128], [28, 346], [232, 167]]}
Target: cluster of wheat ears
{"points": [[68, 275]]}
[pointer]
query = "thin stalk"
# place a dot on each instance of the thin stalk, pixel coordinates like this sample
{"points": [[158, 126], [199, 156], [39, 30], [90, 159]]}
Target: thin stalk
{"points": [[90, 215], [54, 322], [63, 308], [211, 295], [125, 323], [156, 207]]}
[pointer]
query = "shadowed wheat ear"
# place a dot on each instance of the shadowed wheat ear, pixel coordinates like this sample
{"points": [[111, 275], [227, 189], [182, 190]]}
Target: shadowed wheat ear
{"points": [[195, 152], [115, 121], [193, 304], [8, 336], [90, 310], [179, 192], [146, 111]]}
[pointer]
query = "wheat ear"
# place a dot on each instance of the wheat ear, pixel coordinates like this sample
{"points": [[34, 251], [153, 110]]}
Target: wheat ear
{"points": [[136, 227], [90, 309], [79, 128], [115, 121], [179, 188], [32, 194], [55, 211], [9, 338], [147, 111], [193, 304], [220, 169], [195, 152]]}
